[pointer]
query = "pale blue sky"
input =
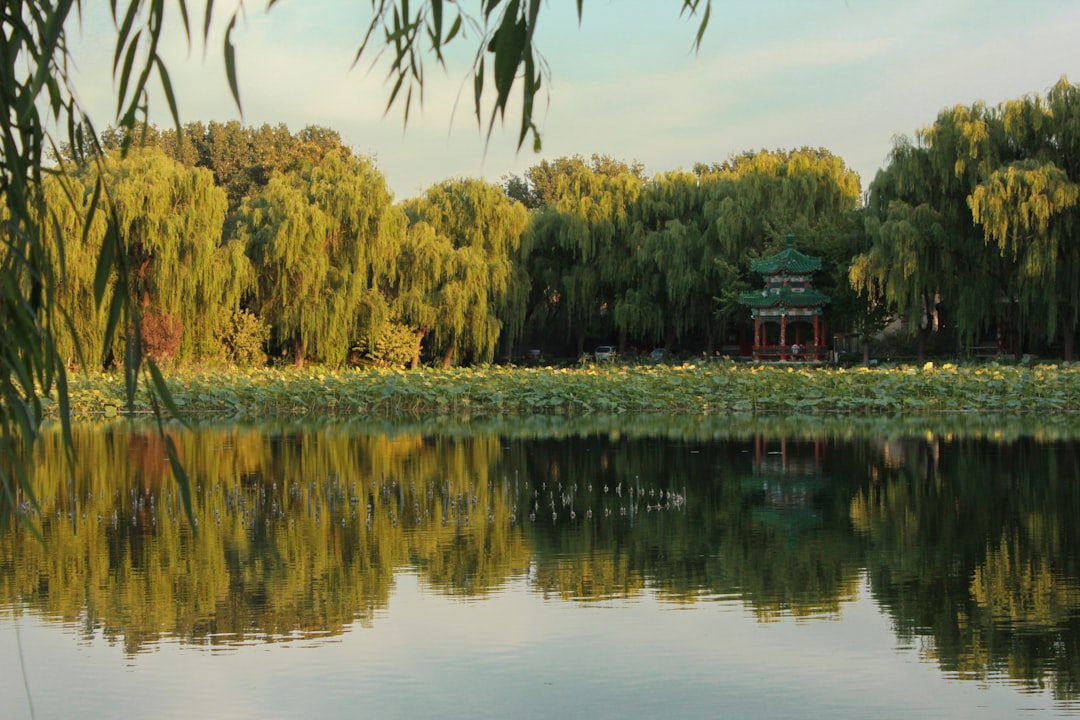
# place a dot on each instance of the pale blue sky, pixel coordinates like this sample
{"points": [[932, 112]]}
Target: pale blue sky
{"points": [[847, 75]]}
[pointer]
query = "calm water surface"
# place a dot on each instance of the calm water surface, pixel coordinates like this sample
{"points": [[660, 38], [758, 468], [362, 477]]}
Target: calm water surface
{"points": [[339, 571]]}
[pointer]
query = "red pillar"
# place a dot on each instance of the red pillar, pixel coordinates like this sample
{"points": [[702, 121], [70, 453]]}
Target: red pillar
{"points": [[783, 330], [820, 342]]}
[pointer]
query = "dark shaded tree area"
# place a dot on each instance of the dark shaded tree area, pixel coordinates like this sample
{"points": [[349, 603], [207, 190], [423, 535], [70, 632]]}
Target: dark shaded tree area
{"points": [[617, 258]]}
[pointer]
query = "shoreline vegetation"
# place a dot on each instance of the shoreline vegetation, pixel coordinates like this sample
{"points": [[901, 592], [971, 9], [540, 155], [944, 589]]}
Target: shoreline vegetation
{"points": [[698, 388]]}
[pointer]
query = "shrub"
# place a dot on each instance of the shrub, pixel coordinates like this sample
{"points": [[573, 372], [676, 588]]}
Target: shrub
{"points": [[245, 339], [395, 346]]}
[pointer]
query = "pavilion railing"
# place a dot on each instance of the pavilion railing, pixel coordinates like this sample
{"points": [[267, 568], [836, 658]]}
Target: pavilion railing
{"points": [[786, 353]]}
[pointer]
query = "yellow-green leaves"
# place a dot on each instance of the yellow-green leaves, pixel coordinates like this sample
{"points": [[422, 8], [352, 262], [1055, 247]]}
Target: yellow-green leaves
{"points": [[1017, 204], [323, 242], [979, 214], [456, 277]]}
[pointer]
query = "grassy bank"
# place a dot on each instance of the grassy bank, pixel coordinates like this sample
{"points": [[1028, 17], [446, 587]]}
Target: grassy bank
{"points": [[706, 388]]}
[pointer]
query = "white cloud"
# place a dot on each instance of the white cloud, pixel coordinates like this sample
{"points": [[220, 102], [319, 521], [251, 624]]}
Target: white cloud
{"points": [[845, 75]]}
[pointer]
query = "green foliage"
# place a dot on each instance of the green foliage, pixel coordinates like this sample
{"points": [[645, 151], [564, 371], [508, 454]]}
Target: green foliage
{"points": [[185, 279], [242, 159], [700, 389], [455, 280], [580, 244], [322, 241], [677, 270], [979, 214], [244, 339], [394, 346]]}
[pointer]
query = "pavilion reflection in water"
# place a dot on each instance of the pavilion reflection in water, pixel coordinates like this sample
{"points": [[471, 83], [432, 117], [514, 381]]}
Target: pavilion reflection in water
{"points": [[786, 479]]}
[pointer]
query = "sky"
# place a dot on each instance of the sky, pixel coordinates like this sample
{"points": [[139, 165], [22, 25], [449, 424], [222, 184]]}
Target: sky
{"points": [[845, 75]]}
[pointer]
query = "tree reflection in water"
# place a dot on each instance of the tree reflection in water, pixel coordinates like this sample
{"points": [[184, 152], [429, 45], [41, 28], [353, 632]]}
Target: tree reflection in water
{"points": [[968, 540]]}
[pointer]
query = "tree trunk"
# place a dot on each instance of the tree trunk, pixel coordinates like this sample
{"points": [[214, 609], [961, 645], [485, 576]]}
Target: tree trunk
{"points": [[923, 331], [415, 363], [710, 338], [507, 342], [448, 358], [300, 352], [1068, 333]]}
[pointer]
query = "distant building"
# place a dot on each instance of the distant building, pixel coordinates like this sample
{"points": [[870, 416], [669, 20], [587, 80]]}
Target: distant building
{"points": [[788, 320]]}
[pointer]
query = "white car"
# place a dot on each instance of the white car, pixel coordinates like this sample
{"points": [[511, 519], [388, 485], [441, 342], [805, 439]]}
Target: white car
{"points": [[604, 353]]}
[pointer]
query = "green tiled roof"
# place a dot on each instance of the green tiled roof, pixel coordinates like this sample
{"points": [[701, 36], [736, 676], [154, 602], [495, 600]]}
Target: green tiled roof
{"points": [[789, 260], [787, 297]]}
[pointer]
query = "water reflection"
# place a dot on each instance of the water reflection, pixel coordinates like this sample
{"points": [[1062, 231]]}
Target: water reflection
{"points": [[967, 541]]}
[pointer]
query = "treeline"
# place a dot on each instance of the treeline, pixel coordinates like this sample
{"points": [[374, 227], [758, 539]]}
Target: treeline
{"points": [[246, 241]]}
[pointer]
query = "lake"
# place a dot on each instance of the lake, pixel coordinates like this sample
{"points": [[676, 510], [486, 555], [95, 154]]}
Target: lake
{"points": [[633, 567]]}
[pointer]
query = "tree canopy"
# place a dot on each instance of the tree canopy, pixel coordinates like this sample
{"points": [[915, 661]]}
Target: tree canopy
{"points": [[977, 215], [466, 233]]}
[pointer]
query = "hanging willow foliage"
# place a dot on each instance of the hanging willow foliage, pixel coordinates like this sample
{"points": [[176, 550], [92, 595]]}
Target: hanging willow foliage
{"points": [[1001, 186], [171, 218], [456, 281], [323, 242], [36, 94], [580, 240], [674, 262]]}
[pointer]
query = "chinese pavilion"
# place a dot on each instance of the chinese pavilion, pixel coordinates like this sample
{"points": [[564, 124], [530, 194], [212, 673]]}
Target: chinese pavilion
{"points": [[788, 324]]}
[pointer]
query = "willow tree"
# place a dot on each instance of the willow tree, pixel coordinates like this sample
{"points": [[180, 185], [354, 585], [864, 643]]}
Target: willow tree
{"points": [[81, 334], [322, 241], [186, 283], [185, 279], [676, 264], [456, 282], [908, 263], [924, 247], [579, 261], [1025, 210], [1001, 185], [1029, 211], [758, 198]]}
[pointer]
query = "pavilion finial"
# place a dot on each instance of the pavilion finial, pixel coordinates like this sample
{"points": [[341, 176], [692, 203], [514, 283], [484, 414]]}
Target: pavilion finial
{"points": [[790, 240]]}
